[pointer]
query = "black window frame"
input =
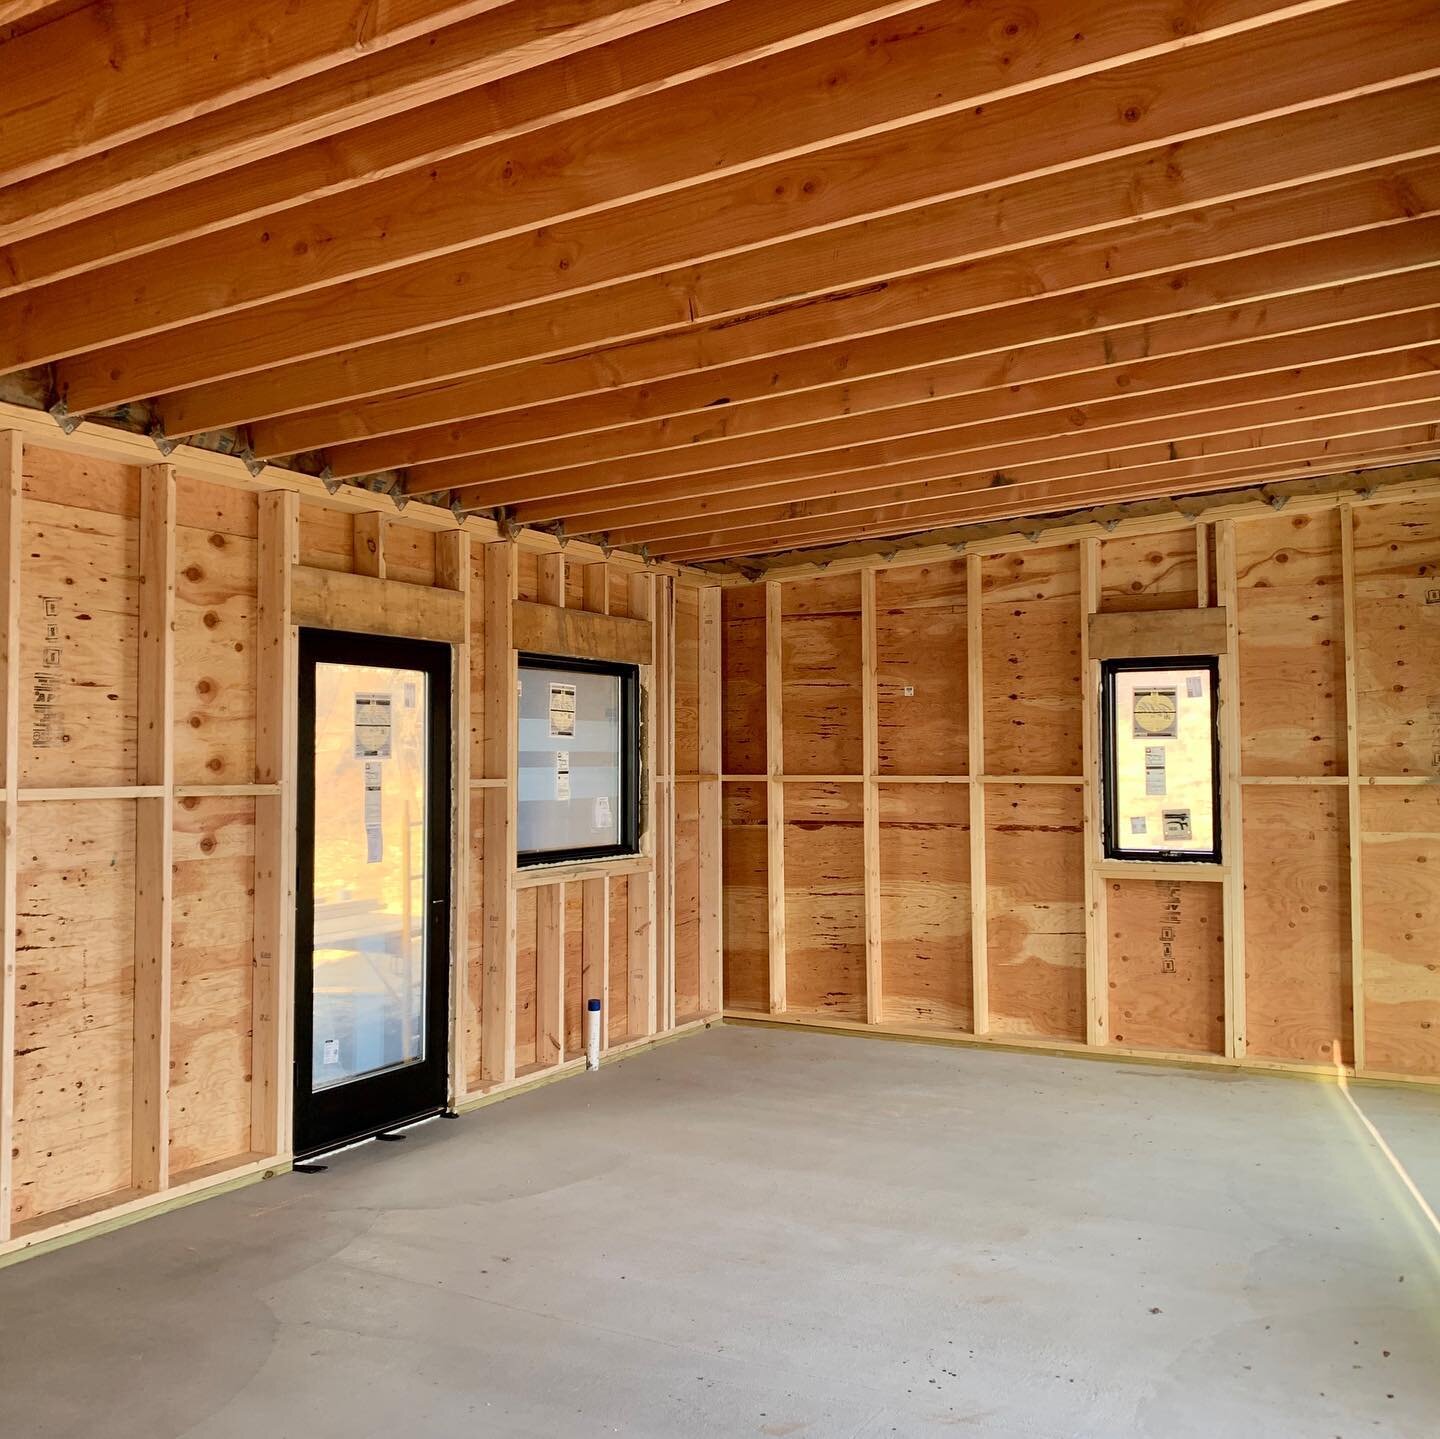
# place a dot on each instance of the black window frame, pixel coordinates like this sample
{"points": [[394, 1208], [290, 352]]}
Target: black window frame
{"points": [[1109, 668], [631, 762]]}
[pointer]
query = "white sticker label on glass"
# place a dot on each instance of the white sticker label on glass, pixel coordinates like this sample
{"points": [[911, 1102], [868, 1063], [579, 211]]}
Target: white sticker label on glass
{"points": [[602, 811], [374, 833], [562, 775], [332, 1051], [562, 711], [1137, 824], [372, 726]]}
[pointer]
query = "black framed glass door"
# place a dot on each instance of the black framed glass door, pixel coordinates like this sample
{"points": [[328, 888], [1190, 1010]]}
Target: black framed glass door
{"points": [[372, 906]]}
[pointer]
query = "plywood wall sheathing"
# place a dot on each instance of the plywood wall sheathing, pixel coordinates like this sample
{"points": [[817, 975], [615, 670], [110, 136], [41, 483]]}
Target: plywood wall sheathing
{"points": [[1297, 913], [743, 691], [1035, 898], [1031, 638], [617, 961], [922, 705], [212, 961], [75, 1015], [820, 677], [746, 922], [924, 894], [1166, 965], [824, 837], [1400, 859]]}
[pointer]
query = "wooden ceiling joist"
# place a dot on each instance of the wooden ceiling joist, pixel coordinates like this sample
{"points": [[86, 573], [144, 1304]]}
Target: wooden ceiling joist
{"points": [[1386, 478], [997, 441], [1201, 476], [109, 73], [1041, 489], [551, 465], [1169, 438], [641, 419], [676, 140], [710, 279], [556, 272], [190, 180], [933, 317]]}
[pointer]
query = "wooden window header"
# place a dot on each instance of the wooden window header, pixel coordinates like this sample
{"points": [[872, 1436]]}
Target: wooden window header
{"points": [[333, 600], [580, 634], [1153, 634]]}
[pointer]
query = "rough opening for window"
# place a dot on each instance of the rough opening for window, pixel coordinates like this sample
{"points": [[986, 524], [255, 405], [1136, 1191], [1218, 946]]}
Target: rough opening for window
{"points": [[1161, 758], [579, 760]]}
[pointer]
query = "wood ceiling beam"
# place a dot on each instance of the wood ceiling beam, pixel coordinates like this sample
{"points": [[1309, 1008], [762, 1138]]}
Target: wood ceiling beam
{"points": [[621, 422], [568, 262], [1177, 374], [996, 441], [1115, 323], [1317, 466], [1080, 402], [1081, 264], [14, 11], [1048, 479], [111, 73], [1316, 456], [974, 461], [1309, 493], [228, 167], [793, 360], [872, 82]]}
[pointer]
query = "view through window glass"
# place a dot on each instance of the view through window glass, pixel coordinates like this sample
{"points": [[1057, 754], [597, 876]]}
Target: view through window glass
{"points": [[577, 760], [1161, 759]]}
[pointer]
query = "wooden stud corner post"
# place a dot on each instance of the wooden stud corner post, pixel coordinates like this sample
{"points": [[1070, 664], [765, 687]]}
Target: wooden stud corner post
{"points": [[664, 620], [595, 893], [497, 1007], [11, 484], [1097, 957], [275, 740], [643, 952], [550, 898], [155, 766], [709, 805], [775, 790], [975, 707], [870, 746], [452, 572], [1231, 800], [1354, 833]]}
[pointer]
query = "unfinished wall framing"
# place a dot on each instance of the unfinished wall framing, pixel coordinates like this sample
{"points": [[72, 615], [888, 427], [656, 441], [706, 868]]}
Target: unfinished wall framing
{"points": [[151, 612], [914, 845]]}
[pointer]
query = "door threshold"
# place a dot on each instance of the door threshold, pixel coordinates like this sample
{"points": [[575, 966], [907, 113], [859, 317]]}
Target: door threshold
{"points": [[308, 1163]]}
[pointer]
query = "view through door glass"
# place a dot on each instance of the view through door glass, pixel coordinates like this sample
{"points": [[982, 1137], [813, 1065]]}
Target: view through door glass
{"points": [[369, 975]]}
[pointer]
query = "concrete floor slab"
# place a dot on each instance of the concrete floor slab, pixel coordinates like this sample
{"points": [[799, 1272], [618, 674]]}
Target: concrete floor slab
{"points": [[759, 1233]]}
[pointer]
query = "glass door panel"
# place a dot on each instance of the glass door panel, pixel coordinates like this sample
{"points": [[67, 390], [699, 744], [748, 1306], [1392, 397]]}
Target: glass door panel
{"points": [[372, 904], [369, 984]]}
